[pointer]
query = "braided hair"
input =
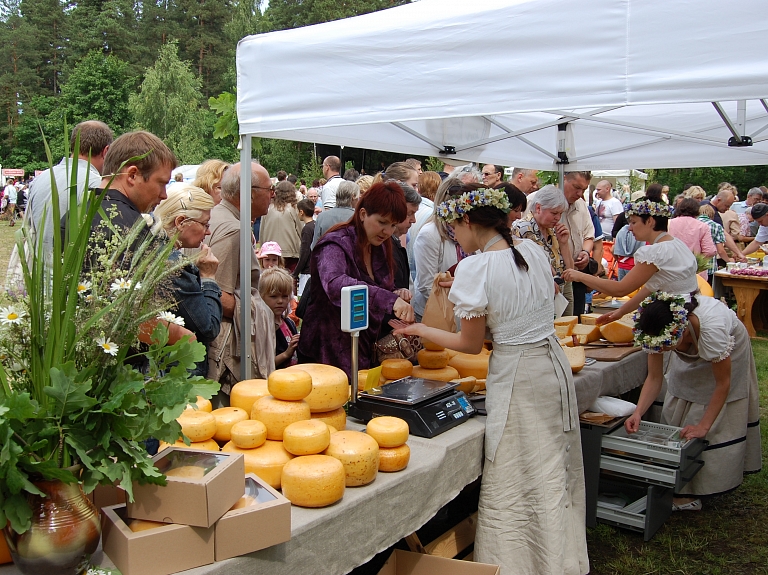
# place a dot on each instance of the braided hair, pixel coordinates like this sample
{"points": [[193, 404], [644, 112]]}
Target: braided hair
{"points": [[656, 316]]}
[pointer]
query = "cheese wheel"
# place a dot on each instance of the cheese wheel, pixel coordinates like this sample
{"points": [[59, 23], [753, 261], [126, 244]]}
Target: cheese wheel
{"points": [[266, 461], [450, 352], [289, 385], [589, 318], [394, 458], [245, 393], [207, 445], [137, 525], [432, 359], [186, 472], [330, 387], [243, 502], [306, 437], [445, 374], [249, 434], [618, 331], [431, 346], [396, 368], [277, 414], [226, 417], [466, 384], [575, 357], [388, 431], [586, 333], [358, 453], [197, 425], [337, 418], [313, 481], [474, 365], [202, 404], [332, 429]]}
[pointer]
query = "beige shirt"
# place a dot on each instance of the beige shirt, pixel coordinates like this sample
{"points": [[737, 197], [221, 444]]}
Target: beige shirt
{"points": [[731, 223], [578, 221], [283, 227], [225, 245]]}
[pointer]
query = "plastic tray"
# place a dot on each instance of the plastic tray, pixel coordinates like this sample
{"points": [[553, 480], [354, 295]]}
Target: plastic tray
{"points": [[653, 442]]}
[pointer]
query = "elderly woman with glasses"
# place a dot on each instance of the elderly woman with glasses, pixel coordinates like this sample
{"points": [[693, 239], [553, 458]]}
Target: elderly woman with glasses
{"points": [[183, 218]]}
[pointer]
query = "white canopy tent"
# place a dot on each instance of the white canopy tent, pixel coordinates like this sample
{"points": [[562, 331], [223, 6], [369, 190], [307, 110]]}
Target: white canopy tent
{"points": [[652, 83]]}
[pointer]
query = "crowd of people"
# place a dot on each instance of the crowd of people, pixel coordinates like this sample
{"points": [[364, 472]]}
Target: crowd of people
{"points": [[509, 247]]}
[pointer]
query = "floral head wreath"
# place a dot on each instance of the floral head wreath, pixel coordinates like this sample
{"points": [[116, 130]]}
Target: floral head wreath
{"points": [[453, 209], [648, 208], [674, 330]]}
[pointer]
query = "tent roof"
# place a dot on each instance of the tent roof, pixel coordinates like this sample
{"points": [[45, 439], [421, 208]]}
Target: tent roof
{"points": [[635, 80]]}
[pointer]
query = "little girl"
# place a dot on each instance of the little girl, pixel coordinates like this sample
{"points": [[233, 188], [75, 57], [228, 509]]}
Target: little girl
{"points": [[276, 289], [270, 255]]}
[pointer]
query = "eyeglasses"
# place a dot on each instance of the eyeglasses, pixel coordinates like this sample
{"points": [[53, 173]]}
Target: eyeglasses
{"points": [[206, 225], [270, 188]]}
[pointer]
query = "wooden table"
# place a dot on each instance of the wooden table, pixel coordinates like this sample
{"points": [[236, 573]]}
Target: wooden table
{"points": [[747, 291]]}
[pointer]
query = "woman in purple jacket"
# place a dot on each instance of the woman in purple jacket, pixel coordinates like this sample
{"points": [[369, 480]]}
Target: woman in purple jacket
{"points": [[354, 253]]}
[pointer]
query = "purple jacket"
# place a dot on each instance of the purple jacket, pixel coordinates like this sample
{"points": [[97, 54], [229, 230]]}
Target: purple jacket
{"points": [[334, 265]]}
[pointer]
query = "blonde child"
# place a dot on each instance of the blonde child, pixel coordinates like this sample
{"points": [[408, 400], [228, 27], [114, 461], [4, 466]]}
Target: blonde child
{"points": [[276, 289], [270, 255]]}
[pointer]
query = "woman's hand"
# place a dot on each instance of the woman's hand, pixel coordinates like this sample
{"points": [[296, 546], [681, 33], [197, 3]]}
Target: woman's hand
{"points": [[207, 263], [573, 275], [403, 294], [403, 310], [609, 317], [402, 328], [632, 424], [562, 233], [694, 431]]}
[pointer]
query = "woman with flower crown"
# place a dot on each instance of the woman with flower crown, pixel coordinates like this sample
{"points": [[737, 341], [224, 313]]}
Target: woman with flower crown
{"points": [[712, 387], [531, 516], [664, 263]]}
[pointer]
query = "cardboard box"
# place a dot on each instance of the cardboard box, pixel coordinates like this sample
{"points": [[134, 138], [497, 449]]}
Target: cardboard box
{"points": [[107, 496], [205, 487], [159, 551], [263, 523], [407, 563]]}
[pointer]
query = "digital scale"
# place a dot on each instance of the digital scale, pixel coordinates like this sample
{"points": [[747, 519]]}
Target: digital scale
{"points": [[429, 407]]}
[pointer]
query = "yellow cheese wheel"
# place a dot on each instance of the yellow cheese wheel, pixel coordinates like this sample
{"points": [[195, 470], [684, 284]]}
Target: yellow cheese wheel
{"points": [[432, 359], [249, 434], [277, 414], [394, 458], [245, 393], [197, 425], [388, 431], [207, 445], [266, 461], [226, 417], [308, 437], [618, 331], [575, 357], [337, 418], [202, 404], [330, 387], [431, 346], [396, 368], [186, 472], [332, 429], [466, 384], [358, 453], [446, 374], [313, 481], [571, 320], [137, 525], [243, 502], [289, 385], [474, 365], [589, 318], [586, 333], [450, 352]]}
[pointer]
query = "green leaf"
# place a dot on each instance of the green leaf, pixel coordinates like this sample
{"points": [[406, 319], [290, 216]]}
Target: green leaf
{"points": [[20, 407], [203, 387], [18, 512], [18, 482], [49, 470], [70, 395], [75, 440]]}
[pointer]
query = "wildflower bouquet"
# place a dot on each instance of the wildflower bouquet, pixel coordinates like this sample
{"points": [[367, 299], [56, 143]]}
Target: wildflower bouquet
{"points": [[77, 388]]}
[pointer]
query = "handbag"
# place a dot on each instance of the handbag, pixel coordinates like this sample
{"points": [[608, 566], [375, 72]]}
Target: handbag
{"points": [[399, 346]]}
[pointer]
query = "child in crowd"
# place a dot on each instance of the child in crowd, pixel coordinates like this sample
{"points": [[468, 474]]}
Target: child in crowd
{"points": [[301, 272], [276, 289], [270, 255]]}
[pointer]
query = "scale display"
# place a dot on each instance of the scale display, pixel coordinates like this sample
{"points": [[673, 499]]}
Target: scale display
{"points": [[354, 308], [410, 390]]}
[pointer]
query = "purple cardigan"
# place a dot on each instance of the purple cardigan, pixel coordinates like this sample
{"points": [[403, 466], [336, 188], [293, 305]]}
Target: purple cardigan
{"points": [[334, 265]]}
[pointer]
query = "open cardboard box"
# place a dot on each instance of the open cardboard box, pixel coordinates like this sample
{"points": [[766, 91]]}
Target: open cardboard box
{"points": [[106, 496], [407, 563], [160, 551], [263, 522], [202, 486]]}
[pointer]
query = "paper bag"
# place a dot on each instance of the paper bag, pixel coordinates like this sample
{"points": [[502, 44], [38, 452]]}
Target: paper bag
{"points": [[438, 312]]}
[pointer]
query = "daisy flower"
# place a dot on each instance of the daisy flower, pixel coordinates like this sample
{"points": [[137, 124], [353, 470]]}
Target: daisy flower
{"points": [[120, 285], [106, 345], [10, 314], [83, 287], [170, 318]]}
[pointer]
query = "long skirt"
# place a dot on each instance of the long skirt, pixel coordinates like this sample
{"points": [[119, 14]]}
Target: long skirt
{"points": [[532, 508]]}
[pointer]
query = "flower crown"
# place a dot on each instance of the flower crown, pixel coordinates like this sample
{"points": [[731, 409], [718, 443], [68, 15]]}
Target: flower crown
{"points": [[454, 208], [648, 208], [674, 330]]}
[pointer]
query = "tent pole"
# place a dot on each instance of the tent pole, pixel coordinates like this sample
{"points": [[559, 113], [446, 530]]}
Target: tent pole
{"points": [[246, 232], [560, 175]]}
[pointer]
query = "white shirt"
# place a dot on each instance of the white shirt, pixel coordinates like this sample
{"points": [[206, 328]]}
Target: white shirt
{"points": [[676, 264], [606, 211], [427, 251], [11, 193], [762, 235], [328, 192]]}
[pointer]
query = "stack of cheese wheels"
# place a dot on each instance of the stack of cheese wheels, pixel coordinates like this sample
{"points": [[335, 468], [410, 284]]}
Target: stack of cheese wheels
{"points": [[225, 418], [392, 369], [286, 405], [201, 404], [330, 391], [245, 393], [200, 427], [358, 453], [390, 433], [472, 365], [266, 461], [313, 480]]}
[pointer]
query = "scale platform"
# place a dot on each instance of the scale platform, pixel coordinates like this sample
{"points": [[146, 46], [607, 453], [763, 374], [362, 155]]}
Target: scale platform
{"points": [[429, 407]]}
